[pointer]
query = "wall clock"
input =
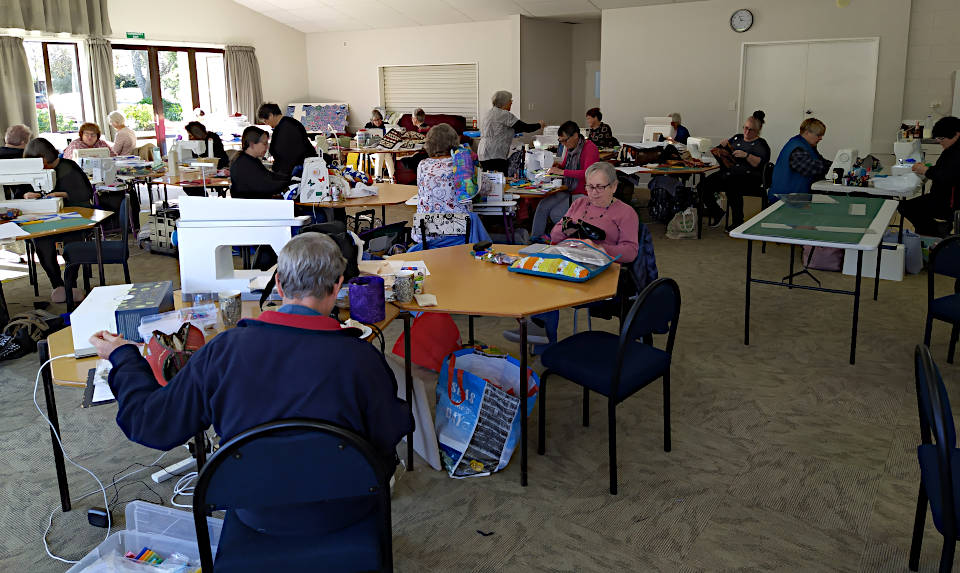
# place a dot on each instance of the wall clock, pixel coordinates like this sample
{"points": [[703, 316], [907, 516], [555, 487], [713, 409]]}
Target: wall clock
{"points": [[741, 20]]}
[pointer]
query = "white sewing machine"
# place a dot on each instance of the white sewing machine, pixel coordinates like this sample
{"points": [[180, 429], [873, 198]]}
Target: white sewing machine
{"points": [[699, 146], [27, 172], [844, 159], [656, 126], [80, 154], [100, 170], [548, 139], [907, 153], [208, 229]]}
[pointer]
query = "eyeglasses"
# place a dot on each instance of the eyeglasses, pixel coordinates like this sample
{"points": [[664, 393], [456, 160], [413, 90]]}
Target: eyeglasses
{"points": [[939, 139], [597, 187], [748, 128]]}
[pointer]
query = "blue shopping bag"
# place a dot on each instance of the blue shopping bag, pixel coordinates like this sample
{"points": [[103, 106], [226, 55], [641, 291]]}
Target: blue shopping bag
{"points": [[478, 406]]}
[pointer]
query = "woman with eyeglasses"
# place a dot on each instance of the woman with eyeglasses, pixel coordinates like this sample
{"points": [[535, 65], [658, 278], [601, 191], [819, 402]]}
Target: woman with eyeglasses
{"points": [[800, 164], [579, 153], [597, 217], [943, 199], [749, 154]]}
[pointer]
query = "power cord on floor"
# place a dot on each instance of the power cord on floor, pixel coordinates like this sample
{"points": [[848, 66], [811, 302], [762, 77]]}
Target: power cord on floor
{"points": [[183, 487]]}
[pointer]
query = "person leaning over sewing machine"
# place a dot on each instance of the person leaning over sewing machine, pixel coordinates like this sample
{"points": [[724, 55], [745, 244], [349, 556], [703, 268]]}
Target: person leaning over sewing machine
{"points": [[290, 145], [293, 362], [88, 138], [196, 131], [680, 132], [74, 188], [942, 200], [497, 129], [600, 133], [748, 155], [15, 139], [579, 153], [249, 179], [800, 164]]}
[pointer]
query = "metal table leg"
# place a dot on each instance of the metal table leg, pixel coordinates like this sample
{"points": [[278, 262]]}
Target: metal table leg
{"points": [[96, 238], [523, 401], [43, 351], [470, 321], [876, 279], [856, 309], [746, 305], [408, 375], [383, 216]]}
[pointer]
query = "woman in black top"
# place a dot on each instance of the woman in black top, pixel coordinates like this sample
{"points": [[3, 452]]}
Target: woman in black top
{"points": [[932, 214], [74, 188], [198, 132], [249, 179], [290, 144], [750, 154]]}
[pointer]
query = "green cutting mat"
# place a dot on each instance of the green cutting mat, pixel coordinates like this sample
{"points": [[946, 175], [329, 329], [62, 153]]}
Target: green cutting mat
{"points": [[56, 225], [820, 214]]}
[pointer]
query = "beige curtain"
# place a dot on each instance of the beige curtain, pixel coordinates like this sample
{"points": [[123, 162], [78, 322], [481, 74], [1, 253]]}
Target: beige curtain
{"points": [[87, 17], [104, 97], [17, 103], [244, 91]]}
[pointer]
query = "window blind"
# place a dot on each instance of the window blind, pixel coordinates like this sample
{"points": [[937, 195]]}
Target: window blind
{"points": [[448, 88]]}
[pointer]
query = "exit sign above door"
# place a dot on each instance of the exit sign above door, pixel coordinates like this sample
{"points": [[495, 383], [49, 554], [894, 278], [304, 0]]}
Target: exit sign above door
{"points": [[136, 35]]}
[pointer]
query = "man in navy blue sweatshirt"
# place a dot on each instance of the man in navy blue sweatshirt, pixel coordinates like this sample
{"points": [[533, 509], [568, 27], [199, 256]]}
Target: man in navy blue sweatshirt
{"points": [[291, 363]]}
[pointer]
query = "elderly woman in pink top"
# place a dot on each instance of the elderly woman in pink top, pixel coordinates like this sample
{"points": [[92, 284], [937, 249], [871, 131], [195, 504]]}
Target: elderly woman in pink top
{"points": [[600, 219], [89, 138]]}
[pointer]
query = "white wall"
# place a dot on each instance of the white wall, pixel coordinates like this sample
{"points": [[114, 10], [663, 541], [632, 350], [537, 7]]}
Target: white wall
{"points": [[545, 79], [584, 46], [343, 66], [684, 57], [934, 53], [281, 50]]}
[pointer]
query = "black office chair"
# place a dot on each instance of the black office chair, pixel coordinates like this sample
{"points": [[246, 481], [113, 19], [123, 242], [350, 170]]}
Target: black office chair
{"points": [[762, 192], [84, 253], [944, 260], [296, 468], [937, 457], [618, 366]]}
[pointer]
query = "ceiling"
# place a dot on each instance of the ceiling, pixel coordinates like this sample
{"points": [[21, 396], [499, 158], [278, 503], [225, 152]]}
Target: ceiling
{"points": [[342, 15]]}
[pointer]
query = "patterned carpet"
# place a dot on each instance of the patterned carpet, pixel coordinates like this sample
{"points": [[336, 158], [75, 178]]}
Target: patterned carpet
{"points": [[785, 457]]}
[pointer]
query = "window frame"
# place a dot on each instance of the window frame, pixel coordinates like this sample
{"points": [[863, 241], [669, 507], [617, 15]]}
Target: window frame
{"points": [[48, 81], [153, 62]]}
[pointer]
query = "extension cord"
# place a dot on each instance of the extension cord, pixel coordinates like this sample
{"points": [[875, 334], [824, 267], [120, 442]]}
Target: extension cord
{"points": [[171, 471]]}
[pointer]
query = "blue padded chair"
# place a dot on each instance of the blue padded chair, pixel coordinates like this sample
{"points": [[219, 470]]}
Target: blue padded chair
{"points": [[84, 254], [289, 469], [618, 366], [938, 480], [944, 260]]}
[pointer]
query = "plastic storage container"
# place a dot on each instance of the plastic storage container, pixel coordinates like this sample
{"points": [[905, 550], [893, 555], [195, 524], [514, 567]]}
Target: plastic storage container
{"points": [[165, 530]]}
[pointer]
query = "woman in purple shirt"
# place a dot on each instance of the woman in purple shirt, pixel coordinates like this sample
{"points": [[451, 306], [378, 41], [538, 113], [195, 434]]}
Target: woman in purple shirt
{"points": [[600, 219]]}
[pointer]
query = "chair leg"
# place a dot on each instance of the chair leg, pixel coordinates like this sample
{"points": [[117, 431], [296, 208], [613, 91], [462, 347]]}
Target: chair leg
{"points": [[954, 334], [87, 273], [666, 411], [542, 417], [928, 331], [126, 273], [586, 407], [946, 556], [918, 522], [612, 420], [575, 312]]}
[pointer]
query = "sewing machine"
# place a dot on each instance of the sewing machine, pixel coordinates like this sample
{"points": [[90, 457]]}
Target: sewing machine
{"points": [[100, 170], [699, 146], [27, 172], [656, 126], [907, 153], [844, 159], [208, 229], [79, 154]]}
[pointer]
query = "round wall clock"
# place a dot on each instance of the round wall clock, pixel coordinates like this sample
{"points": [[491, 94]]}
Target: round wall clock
{"points": [[741, 20]]}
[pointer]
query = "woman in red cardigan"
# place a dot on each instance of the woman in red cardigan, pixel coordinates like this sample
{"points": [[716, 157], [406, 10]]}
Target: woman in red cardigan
{"points": [[579, 154]]}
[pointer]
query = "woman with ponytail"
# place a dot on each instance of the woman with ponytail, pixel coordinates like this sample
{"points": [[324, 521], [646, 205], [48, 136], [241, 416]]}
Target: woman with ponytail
{"points": [[750, 154]]}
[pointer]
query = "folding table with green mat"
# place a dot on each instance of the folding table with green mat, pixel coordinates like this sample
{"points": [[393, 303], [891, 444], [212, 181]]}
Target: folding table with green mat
{"points": [[839, 222]]}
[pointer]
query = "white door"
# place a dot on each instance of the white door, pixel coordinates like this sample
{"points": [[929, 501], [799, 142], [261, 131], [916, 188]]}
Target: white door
{"points": [[591, 88], [834, 81], [773, 80]]}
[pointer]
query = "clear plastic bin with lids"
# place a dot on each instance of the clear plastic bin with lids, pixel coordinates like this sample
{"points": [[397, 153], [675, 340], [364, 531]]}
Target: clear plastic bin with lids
{"points": [[165, 530]]}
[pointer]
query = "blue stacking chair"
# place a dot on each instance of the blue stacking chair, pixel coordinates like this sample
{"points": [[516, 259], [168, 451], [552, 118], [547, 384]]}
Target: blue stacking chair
{"points": [[944, 260], [84, 254], [293, 467], [937, 456], [618, 366]]}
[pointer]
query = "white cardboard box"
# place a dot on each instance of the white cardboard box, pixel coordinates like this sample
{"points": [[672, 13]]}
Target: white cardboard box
{"points": [[891, 262]]}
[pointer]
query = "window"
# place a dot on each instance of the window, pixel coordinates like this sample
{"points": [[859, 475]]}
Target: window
{"points": [[158, 87], [56, 85], [450, 88]]}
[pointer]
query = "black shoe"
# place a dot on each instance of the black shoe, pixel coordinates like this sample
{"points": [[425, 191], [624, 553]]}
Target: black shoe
{"points": [[717, 218]]}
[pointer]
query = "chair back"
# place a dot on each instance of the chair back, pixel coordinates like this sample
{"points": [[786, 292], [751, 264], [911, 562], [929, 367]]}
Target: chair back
{"points": [[446, 224], [767, 176], [936, 422], [379, 240], [288, 463], [123, 217], [656, 310], [944, 260]]}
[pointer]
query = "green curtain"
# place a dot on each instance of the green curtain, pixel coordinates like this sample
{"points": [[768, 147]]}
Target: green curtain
{"points": [[85, 17], [17, 103]]}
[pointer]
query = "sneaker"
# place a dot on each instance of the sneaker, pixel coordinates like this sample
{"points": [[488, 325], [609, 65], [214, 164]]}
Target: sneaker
{"points": [[717, 218], [58, 295], [535, 334]]}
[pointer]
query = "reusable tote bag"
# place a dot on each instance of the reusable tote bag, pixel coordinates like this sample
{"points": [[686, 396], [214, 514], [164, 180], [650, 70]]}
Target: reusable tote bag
{"points": [[478, 407]]}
